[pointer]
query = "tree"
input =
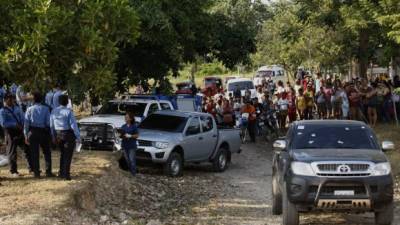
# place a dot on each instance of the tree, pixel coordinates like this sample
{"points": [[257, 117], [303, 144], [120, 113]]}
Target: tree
{"points": [[172, 32], [237, 23], [72, 42], [292, 41]]}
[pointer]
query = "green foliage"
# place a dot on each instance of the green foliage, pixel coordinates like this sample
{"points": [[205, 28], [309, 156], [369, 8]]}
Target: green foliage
{"points": [[211, 69], [236, 24], [329, 33], [72, 42]]}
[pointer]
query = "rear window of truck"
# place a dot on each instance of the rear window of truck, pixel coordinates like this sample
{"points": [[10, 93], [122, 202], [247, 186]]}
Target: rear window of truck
{"points": [[167, 123]]}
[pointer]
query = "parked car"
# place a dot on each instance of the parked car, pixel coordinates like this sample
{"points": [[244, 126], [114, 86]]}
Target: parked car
{"points": [[174, 138], [334, 166], [228, 78], [243, 84], [212, 86], [274, 73], [100, 130], [184, 88]]}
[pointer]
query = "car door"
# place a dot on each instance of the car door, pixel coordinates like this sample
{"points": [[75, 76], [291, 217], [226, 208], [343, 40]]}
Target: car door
{"points": [[210, 137], [191, 140]]}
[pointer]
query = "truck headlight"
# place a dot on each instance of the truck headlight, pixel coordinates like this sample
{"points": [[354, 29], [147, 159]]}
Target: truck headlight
{"points": [[381, 169], [303, 169], [161, 145]]}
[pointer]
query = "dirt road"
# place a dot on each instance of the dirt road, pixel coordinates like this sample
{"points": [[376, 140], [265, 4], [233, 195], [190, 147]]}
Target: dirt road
{"points": [[101, 193], [246, 195]]}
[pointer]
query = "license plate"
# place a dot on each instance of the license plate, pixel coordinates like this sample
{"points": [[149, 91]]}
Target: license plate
{"points": [[344, 193]]}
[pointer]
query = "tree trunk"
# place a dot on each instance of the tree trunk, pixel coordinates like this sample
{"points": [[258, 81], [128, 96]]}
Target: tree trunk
{"points": [[363, 52]]}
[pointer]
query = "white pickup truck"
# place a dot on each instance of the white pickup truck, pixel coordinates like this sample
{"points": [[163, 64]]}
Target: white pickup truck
{"points": [[100, 130]]}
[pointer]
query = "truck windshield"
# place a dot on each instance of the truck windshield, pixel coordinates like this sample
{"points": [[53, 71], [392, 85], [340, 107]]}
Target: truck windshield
{"points": [[160, 122], [243, 85], [118, 108], [265, 73], [333, 137]]}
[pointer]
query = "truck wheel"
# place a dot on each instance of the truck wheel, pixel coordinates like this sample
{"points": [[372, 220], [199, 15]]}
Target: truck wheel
{"points": [[385, 217], [221, 161], [276, 198], [290, 215], [174, 165]]}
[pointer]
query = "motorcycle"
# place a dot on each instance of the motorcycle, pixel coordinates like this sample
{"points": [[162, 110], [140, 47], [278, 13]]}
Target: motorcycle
{"points": [[271, 123]]}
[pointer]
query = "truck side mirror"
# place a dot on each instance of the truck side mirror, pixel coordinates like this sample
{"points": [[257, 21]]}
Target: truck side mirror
{"points": [[387, 145], [279, 145]]}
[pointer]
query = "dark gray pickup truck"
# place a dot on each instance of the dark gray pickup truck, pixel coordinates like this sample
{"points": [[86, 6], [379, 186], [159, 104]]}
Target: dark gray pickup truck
{"points": [[334, 166]]}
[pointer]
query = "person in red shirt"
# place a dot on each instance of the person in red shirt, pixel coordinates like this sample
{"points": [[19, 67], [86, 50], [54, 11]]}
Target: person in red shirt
{"points": [[210, 108], [251, 110]]}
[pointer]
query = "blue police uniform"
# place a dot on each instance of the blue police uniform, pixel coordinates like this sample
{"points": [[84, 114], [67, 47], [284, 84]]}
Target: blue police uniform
{"points": [[56, 95], [12, 119], [129, 145], [64, 129], [49, 99], [37, 131], [2, 94]]}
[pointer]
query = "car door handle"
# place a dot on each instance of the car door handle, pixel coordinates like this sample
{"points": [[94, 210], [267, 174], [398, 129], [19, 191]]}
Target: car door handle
{"points": [[200, 138]]}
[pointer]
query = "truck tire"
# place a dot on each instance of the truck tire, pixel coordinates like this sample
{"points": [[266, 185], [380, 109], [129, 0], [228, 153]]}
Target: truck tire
{"points": [[221, 160], [276, 198], [174, 165], [290, 215], [385, 217]]}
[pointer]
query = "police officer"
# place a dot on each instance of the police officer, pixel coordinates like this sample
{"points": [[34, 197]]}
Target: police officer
{"points": [[37, 134], [12, 119], [65, 133], [49, 99], [57, 92]]}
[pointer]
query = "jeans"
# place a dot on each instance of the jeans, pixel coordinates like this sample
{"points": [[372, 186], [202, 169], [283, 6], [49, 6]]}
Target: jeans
{"points": [[130, 156]]}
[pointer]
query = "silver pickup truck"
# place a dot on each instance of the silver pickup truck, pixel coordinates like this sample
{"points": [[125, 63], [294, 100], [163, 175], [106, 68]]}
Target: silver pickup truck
{"points": [[173, 138]]}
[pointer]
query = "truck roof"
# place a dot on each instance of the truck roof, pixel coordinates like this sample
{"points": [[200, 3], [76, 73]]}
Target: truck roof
{"points": [[137, 100], [181, 113], [242, 79]]}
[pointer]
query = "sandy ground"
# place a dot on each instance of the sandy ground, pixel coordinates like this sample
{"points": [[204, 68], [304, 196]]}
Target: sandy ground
{"points": [[100, 193]]}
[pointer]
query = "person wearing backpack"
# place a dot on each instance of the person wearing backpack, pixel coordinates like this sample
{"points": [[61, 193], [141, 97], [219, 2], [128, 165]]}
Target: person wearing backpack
{"points": [[12, 119]]}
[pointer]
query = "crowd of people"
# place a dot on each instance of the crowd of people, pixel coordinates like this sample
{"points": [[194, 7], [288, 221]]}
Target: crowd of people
{"points": [[310, 97], [32, 121]]}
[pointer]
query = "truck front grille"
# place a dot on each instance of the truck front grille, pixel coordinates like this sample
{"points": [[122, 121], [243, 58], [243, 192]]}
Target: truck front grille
{"points": [[145, 143], [96, 131], [342, 169], [335, 166]]}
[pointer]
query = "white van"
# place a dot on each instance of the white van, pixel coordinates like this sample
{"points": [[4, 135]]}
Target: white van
{"points": [[274, 72], [243, 84]]}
